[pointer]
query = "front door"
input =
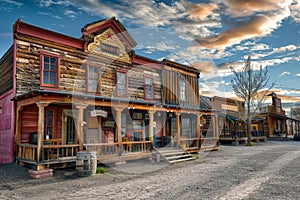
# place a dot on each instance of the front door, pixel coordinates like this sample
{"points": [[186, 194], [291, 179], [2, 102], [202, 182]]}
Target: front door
{"points": [[69, 124]]}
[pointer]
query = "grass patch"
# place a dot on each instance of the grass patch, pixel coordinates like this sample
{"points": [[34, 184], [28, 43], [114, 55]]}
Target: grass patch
{"points": [[100, 170], [196, 156], [249, 144]]}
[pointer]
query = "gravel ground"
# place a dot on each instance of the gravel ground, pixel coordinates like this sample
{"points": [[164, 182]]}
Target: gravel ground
{"points": [[268, 170]]}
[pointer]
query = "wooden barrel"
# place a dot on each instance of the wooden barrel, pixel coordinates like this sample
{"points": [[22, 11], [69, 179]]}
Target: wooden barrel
{"points": [[86, 163]]}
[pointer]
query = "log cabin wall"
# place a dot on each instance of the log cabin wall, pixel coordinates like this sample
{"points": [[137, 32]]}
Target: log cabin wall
{"points": [[6, 72], [172, 76], [28, 53]]}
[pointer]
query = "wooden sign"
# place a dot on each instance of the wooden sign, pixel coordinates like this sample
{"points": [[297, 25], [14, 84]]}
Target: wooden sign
{"points": [[110, 138], [98, 113]]}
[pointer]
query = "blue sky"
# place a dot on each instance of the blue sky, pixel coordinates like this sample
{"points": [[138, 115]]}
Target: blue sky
{"points": [[210, 34]]}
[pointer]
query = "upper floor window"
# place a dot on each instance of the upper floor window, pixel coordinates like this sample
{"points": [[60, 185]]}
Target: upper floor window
{"points": [[182, 90], [93, 84], [149, 89], [49, 70], [121, 83]]}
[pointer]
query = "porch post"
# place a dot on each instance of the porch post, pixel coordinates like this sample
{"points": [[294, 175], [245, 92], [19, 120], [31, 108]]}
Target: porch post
{"points": [[18, 124], [79, 125], [215, 125], [118, 127], [151, 112], [40, 135], [178, 128], [198, 130]]}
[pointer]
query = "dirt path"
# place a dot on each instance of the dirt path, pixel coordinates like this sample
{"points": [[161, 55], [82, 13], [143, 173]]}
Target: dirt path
{"points": [[266, 171]]}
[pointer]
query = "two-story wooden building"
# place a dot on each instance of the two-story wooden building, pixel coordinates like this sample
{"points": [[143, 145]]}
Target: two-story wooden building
{"points": [[61, 95]]}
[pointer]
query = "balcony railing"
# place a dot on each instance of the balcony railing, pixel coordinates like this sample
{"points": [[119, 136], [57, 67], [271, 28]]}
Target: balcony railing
{"points": [[49, 152], [104, 149]]}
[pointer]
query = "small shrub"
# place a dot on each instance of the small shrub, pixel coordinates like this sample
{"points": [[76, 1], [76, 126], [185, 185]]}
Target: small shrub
{"points": [[101, 170]]}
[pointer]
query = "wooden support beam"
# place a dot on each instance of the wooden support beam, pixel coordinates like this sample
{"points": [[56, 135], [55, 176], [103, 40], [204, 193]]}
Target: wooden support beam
{"points": [[178, 128], [79, 125], [40, 135], [118, 126], [198, 130], [151, 118], [18, 124]]}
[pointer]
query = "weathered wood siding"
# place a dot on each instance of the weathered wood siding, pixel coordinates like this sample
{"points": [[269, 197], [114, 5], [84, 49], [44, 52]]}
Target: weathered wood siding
{"points": [[6, 72], [171, 89], [28, 64], [73, 64]]}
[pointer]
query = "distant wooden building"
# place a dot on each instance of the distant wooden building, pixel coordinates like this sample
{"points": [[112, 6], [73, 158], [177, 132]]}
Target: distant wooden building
{"points": [[92, 94], [231, 118]]}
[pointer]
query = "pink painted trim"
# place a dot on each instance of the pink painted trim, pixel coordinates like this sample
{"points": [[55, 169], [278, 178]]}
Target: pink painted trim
{"points": [[147, 62], [27, 29], [13, 105], [6, 93]]}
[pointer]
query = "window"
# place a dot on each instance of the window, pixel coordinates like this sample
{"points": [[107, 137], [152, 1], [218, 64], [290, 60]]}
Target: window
{"points": [[186, 127], [93, 84], [1, 110], [148, 88], [49, 70], [121, 83], [48, 124], [182, 90]]}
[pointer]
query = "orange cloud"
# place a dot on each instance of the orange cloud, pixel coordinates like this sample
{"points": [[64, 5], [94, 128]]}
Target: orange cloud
{"points": [[248, 7], [250, 29], [202, 11], [206, 67]]}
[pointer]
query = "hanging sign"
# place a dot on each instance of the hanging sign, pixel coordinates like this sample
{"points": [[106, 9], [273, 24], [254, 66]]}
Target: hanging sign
{"points": [[99, 113]]}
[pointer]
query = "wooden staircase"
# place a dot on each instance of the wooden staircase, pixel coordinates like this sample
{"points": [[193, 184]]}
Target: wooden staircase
{"points": [[174, 154]]}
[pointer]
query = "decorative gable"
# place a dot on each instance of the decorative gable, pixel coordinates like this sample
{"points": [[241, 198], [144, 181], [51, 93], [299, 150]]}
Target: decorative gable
{"points": [[109, 45]]}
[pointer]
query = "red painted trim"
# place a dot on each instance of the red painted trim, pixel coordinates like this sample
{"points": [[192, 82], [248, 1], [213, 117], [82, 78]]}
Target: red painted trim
{"points": [[126, 83], [145, 96], [121, 32], [147, 62], [13, 116], [47, 86], [34, 31], [6, 93]]}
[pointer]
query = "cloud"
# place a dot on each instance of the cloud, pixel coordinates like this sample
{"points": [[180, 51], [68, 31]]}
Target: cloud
{"points": [[15, 3], [295, 10], [250, 27], [70, 13], [284, 73], [297, 74], [202, 11], [238, 8], [206, 67]]}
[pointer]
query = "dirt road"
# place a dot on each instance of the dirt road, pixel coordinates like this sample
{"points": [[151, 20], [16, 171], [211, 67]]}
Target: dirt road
{"points": [[265, 171]]}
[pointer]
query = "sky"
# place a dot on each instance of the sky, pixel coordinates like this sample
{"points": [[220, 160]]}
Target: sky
{"points": [[212, 35]]}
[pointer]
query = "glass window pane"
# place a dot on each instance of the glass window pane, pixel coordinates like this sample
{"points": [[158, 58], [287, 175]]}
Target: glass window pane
{"points": [[53, 67], [46, 66], [46, 59], [53, 61]]}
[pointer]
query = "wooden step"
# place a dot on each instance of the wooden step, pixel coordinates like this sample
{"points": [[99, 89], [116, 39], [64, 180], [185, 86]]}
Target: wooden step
{"points": [[176, 157], [181, 160]]}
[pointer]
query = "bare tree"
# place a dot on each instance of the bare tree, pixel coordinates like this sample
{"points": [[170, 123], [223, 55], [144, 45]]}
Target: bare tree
{"points": [[247, 84]]}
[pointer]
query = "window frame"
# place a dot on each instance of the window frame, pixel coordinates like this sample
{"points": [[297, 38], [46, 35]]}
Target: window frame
{"points": [[125, 85], [98, 88], [57, 83], [180, 91], [145, 88]]}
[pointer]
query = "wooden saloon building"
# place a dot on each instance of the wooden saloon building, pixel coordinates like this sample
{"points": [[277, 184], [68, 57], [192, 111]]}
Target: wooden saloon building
{"points": [[60, 95]]}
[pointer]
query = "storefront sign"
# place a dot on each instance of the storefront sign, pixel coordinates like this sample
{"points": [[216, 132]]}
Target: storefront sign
{"points": [[99, 113]]}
